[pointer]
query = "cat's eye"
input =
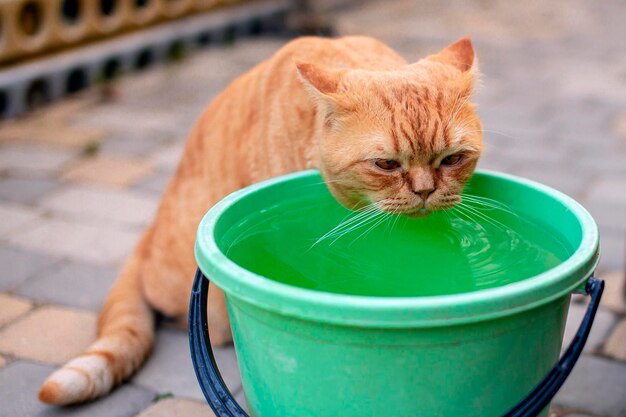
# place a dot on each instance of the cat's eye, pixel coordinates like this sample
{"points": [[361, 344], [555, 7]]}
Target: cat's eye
{"points": [[387, 164], [452, 159]]}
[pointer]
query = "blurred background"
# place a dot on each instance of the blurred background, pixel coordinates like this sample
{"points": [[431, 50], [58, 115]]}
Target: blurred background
{"points": [[97, 98]]}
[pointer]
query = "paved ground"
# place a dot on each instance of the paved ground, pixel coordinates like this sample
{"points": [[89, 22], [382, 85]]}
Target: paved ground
{"points": [[80, 180]]}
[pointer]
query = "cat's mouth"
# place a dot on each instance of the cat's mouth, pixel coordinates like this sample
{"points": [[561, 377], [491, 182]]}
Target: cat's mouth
{"points": [[415, 211], [410, 212], [424, 211], [420, 212]]}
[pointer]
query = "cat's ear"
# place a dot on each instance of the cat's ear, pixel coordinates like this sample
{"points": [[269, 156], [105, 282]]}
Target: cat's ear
{"points": [[459, 54], [320, 81]]}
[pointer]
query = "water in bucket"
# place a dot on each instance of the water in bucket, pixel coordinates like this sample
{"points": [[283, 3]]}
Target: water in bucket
{"points": [[317, 244]]}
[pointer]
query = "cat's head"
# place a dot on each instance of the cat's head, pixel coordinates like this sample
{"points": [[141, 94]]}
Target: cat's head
{"points": [[406, 139]]}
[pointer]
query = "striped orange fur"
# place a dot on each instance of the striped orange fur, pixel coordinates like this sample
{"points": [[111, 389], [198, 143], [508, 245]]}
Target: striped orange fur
{"points": [[404, 136]]}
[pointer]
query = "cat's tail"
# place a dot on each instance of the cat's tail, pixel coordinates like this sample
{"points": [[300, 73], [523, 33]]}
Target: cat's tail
{"points": [[125, 338]]}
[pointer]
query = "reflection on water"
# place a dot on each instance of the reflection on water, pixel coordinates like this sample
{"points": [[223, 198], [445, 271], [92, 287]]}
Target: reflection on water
{"points": [[445, 253]]}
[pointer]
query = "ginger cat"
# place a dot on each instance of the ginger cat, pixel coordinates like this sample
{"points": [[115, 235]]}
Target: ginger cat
{"points": [[377, 128]]}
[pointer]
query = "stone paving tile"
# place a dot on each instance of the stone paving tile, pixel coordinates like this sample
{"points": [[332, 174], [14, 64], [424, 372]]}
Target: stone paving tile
{"points": [[619, 125], [40, 130], [510, 128], [609, 162], [169, 368], [97, 205], [32, 159], [135, 143], [175, 407], [586, 158], [173, 85], [520, 151], [498, 165], [602, 325], [114, 117], [18, 266], [155, 183], [253, 51], [611, 191], [615, 346], [610, 217], [12, 307], [63, 110], [614, 296], [578, 415], [168, 157], [612, 250], [579, 130], [500, 22], [25, 190], [55, 237], [586, 82], [49, 334], [566, 181], [20, 381], [15, 216], [240, 397], [72, 284], [108, 170], [596, 386]]}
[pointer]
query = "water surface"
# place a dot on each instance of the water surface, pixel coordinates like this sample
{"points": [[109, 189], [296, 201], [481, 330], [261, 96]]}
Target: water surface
{"points": [[445, 253]]}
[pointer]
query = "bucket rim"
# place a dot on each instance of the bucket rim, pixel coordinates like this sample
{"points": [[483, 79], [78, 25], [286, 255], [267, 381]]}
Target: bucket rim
{"points": [[243, 285]]}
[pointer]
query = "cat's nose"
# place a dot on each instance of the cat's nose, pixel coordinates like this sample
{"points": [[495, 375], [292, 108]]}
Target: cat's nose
{"points": [[424, 193]]}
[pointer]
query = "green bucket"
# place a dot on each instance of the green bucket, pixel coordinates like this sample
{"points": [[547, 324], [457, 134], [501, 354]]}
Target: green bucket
{"points": [[314, 346]]}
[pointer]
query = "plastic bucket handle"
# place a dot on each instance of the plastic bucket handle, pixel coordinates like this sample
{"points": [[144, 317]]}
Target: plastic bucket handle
{"points": [[224, 405]]}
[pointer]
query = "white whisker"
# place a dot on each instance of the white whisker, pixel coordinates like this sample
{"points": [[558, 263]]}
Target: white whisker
{"points": [[484, 217], [346, 223], [382, 217], [365, 215], [488, 202]]}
